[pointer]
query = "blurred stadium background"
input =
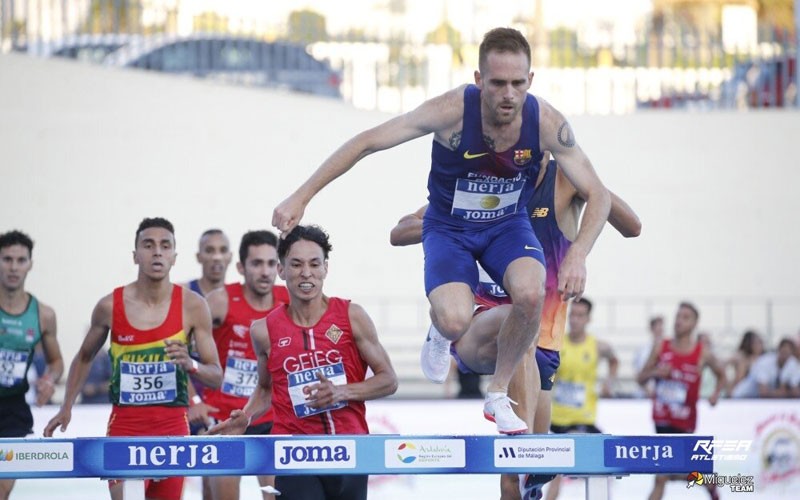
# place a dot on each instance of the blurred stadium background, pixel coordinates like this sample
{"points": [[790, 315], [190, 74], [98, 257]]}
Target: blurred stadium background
{"points": [[113, 110]]}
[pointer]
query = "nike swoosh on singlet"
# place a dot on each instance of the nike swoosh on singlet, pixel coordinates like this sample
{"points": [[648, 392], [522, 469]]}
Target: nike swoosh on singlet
{"points": [[527, 247], [468, 156]]}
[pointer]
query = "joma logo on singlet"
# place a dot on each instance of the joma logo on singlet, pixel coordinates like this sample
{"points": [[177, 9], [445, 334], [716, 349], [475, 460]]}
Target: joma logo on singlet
{"points": [[339, 454], [484, 215]]}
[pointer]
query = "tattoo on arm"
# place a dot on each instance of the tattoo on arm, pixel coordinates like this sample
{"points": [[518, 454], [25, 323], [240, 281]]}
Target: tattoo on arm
{"points": [[489, 141], [455, 140], [565, 136]]}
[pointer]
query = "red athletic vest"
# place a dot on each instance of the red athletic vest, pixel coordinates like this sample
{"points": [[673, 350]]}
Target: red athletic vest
{"points": [[141, 373], [675, 401], [236, 354], [297, 353]]}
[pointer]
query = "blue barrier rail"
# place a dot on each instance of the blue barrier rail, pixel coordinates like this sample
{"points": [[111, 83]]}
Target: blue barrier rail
{"points": [[153, 457]]}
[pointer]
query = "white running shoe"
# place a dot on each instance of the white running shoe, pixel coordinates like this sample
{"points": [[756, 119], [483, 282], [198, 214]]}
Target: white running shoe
{"points": [[269, 490], [531, 486], [498, 410], [435, 356]]}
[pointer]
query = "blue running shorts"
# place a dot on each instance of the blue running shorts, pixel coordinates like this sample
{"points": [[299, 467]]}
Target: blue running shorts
{"points": [[451, 252], [548, 361]]}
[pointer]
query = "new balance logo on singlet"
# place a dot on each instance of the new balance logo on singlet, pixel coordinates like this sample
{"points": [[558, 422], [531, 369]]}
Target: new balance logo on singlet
{"points": [[540, 212]]}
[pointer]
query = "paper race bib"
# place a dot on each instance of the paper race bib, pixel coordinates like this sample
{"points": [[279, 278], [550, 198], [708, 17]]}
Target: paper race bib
{"points": [[569, 394], [484, 201], [299, 380], [147, 383], [672, 392], [13, 365], [240, 377]]}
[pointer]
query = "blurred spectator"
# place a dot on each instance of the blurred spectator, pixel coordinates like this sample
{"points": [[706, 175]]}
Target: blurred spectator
{"points": [[656, 337], [750, 349], [790, 375], [792, 380], [677, 365], [772, 374], [95, 390]]}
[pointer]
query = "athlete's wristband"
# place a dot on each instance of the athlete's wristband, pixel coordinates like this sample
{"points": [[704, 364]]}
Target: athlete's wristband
{"points": [[196, 400], [195, 367]]}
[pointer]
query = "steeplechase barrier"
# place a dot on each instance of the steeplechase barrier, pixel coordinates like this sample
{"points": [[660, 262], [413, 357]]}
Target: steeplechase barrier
{"points": [[594, 456]]}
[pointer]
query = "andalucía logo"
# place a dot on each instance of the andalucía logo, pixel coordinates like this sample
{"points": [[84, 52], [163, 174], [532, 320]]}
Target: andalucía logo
{"points": [[407, 452], [181, 455], [424, 453]]}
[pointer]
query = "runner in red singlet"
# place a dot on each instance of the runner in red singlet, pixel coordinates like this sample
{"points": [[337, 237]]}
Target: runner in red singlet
{"points": [[676, 365], [313, 356], [151, 322], [233, 309]]}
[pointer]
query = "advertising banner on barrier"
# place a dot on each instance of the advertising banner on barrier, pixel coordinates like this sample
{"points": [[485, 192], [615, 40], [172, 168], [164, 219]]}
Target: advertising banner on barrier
{"points": [[755, 439], [374, 454], [45, 456]]}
